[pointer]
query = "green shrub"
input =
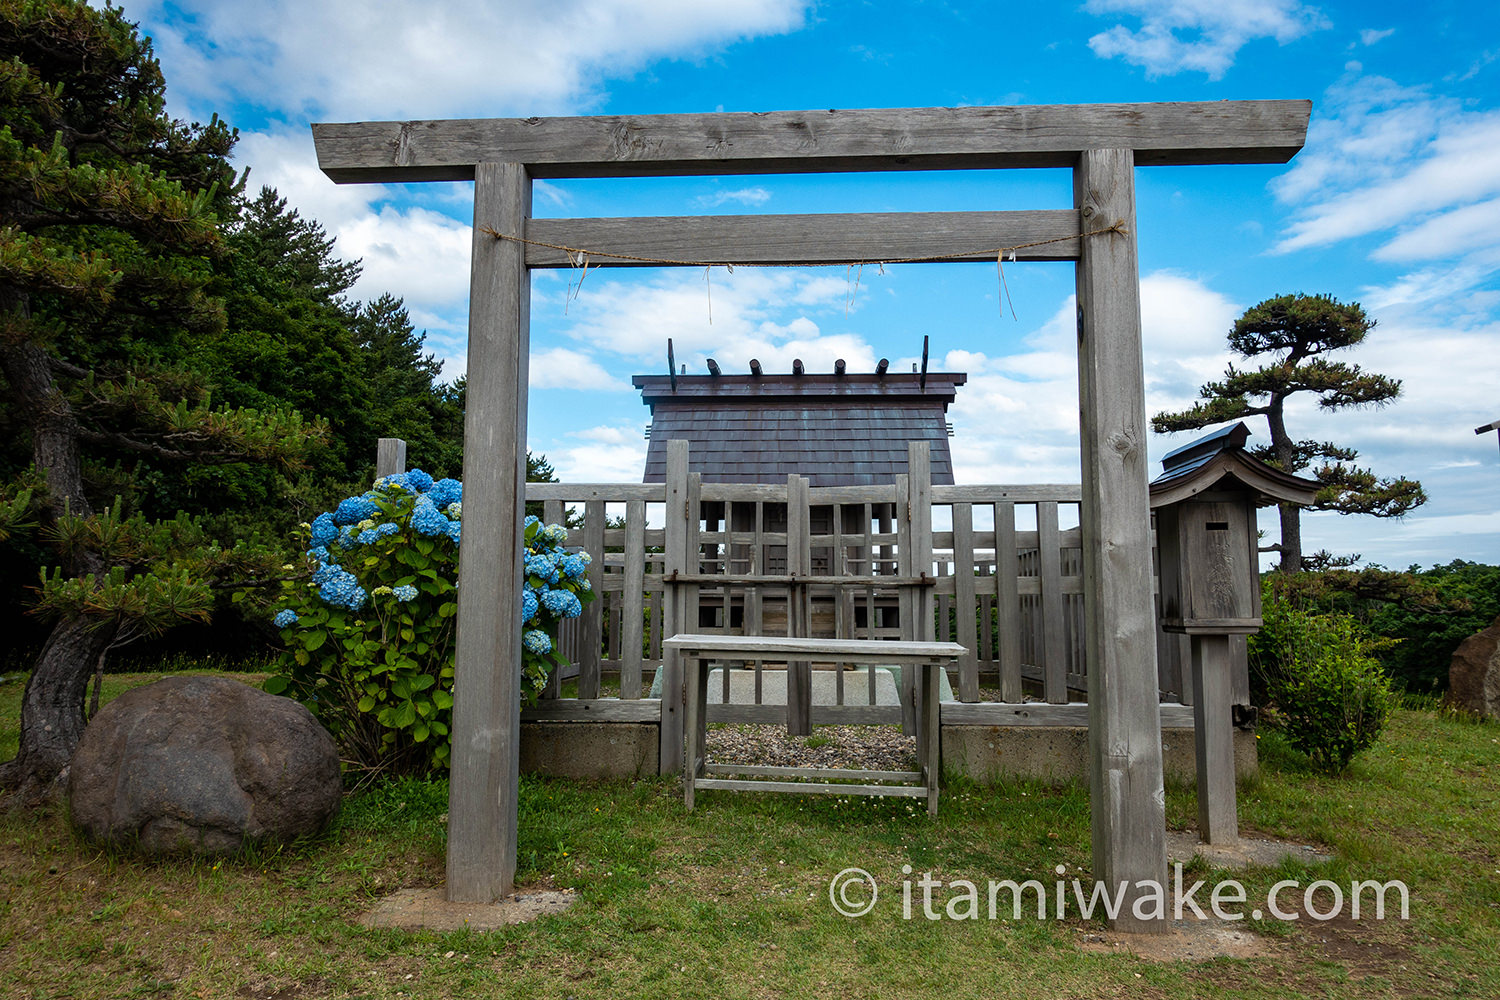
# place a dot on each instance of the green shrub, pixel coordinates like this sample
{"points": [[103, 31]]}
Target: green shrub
{"points": [[1465, 599], [1325, 687], [370, 635]]}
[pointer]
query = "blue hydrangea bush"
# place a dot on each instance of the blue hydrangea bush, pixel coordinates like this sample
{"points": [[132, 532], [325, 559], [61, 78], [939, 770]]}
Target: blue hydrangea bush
{"points": [[370, 628]]}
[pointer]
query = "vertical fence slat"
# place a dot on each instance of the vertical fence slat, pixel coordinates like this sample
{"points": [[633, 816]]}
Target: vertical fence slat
{"points": [[629, 620], [906, 601], [591, 628], [1054, 638], [798, 611], [919, 513], [679, 519], [553, 513], [963, 585], [1008, 602], [390, 457]]}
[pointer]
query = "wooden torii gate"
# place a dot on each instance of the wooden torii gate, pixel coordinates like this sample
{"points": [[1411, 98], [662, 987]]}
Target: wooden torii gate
{"points": [[1102, 144]]}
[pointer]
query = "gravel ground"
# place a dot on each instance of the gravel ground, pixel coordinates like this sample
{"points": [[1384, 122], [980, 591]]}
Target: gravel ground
{"points": [[879, 748]]}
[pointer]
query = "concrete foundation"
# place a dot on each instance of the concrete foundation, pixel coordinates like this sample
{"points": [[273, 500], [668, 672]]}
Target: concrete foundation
{"points": [[986, 754], [590, 749], [1058, 754]]}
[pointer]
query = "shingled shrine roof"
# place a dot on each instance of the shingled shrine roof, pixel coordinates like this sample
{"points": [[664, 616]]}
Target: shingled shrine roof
{"points": [[837, 430], [1219, 460]]}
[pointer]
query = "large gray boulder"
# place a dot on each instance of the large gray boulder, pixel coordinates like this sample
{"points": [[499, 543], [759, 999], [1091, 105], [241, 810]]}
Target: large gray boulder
{"points": [[1474, 673], [203, 765]]}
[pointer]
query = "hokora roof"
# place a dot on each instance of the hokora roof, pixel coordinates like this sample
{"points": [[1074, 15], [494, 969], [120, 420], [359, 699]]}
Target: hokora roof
{"points": [[1209, 461], [837, 430]]}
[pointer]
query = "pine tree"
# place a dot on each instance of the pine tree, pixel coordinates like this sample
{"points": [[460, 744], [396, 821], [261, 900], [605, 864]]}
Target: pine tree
{"points": [[108, 231], [1296, 331]]}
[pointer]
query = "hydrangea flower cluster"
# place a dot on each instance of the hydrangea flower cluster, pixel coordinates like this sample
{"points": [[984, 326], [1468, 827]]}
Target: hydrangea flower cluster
{"points": [[556, 587], [380, 610], [431, 507]]}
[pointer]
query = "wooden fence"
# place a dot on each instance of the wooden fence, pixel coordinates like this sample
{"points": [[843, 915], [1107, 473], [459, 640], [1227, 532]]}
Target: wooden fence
{"points": [[1003, 577]]}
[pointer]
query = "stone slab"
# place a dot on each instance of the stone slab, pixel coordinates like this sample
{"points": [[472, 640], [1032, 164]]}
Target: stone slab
{"points": [[429, 910], [1259, 852]]}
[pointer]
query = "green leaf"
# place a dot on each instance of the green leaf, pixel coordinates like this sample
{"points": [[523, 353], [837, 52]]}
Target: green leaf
{"points": [[275, 684], [313, 641]]}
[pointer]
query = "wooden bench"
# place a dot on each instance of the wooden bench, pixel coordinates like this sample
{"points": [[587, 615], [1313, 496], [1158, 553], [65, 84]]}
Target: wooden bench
{"points": [[928, 657]]}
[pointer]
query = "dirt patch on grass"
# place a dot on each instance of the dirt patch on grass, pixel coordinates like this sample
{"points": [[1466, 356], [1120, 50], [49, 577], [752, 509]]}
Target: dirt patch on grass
{"points": [[430, 910], [1185, 941], [1356, 945], [1263, 852]]}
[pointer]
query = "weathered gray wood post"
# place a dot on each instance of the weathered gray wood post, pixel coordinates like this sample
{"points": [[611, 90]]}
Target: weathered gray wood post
{"points": [[390, 457], [482, 798], [1213, 740], [1127, 795], [798, 604], [676, 560], [922, 627]]}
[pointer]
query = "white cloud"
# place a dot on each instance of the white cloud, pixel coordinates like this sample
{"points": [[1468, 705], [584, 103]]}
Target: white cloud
{"points": [[1452, 164], [751, 196], [1470, 228], [752, 312], [1369, 36], [1197, 35], [1016, 421], [604, 454], [561, 368], [391, 59], [418, 254], [284, 159], [1415, 171], [1427, 285]]}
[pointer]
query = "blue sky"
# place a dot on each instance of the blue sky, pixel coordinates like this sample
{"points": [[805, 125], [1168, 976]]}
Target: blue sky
{"points": [[1394, 202]]}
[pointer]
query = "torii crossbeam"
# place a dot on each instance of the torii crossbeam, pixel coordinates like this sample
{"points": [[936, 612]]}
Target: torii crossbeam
{"points": [[1102, 144]]}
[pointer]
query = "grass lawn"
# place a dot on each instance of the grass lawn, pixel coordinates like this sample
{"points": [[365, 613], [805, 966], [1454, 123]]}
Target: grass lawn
{"points": [[732, 900]]}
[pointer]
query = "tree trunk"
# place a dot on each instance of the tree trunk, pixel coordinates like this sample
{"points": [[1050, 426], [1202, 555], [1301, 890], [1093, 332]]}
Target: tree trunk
{"points": [[1291, 516], [52, 709], [52, 717], [1291, 538], [54, 428]]}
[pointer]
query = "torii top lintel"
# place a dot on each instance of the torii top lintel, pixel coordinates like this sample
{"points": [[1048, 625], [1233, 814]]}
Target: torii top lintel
{"points": [[1053, 135]]}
